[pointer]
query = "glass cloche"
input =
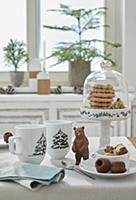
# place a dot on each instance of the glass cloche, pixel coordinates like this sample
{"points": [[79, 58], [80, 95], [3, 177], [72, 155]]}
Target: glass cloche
{"points": [[105, 89], [105, 98]]}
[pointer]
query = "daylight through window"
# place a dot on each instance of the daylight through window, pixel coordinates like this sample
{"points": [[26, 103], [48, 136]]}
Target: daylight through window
{"points": [[13, 26], [52, 37]]}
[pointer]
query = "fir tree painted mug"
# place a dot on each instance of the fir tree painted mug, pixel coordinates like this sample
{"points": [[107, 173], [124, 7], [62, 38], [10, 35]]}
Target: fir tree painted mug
{"points": [[59, 138], [29, 143]]}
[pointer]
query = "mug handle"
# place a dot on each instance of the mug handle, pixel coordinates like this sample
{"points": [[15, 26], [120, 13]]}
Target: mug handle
{"points": [[12, 144]]}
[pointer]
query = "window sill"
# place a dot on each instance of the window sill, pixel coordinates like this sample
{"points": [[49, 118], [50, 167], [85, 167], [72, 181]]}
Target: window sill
{"points": [[28, 90]]}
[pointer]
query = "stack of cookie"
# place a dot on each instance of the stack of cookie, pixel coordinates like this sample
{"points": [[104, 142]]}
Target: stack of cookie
{"points": [[101, 96]]}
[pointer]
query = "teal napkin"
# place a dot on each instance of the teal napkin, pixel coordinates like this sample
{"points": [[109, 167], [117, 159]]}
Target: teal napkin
{"points": [[30, 175]]}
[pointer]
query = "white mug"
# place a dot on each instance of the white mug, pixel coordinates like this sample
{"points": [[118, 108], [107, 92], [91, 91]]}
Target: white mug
{"points": [[29, 143], [59, 138]]}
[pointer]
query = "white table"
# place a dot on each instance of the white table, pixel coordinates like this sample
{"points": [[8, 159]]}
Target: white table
{"points": [[78, 187]]}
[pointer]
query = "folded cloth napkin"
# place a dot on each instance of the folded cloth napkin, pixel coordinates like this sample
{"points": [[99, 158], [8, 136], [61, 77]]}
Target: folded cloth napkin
{"points": [[30, 175]]}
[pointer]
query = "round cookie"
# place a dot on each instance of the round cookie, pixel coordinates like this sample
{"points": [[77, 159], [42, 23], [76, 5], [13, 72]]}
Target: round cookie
{"points": [[101, 100], [103, 90], [102, 95], [100, 104], [103, 86]]}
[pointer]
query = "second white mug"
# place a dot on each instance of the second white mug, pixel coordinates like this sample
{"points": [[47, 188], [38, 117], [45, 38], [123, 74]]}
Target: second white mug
{"points": [[59, 138]]}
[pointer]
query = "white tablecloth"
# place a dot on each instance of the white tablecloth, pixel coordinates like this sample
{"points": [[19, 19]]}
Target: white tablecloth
{"points": [[78, 187]]}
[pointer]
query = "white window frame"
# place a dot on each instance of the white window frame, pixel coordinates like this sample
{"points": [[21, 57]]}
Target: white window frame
{"points": [[114, 19], [114, 33], [33, 28]]}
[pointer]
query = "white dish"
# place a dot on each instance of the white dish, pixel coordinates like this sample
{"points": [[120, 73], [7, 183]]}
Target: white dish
{"points": [[3, 144], [100, 153], [88, 167]]}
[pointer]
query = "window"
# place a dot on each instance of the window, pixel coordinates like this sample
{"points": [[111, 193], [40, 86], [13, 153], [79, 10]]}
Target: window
{"points": [[53, 37], [24, 20], [13, 25]]}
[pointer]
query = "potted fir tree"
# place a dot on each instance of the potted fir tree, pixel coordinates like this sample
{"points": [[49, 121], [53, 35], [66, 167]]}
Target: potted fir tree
{"points": [[81, 52], [15, 56]]}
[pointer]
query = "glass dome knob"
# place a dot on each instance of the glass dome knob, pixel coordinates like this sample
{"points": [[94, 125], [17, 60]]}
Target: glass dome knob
{"points": [[106, 65]]}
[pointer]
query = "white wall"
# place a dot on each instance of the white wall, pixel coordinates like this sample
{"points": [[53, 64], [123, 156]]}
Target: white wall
{"points": [[129, 41], [121, 16]]}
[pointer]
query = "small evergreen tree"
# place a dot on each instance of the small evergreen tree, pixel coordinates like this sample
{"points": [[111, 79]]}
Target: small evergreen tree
{"points": [[81, 49], [40, 148], [60, 140], [15, 54]]}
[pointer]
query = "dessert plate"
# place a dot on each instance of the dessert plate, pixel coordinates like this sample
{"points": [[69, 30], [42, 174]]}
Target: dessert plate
{"points": [[88, 166]]}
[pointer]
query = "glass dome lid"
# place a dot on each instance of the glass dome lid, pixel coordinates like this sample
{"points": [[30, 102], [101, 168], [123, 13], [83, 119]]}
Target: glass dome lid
{"points": [[105, 89]]}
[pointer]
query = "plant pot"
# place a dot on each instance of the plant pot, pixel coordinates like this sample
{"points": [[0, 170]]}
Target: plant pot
{"points": [[78, 71], [16, 78]]}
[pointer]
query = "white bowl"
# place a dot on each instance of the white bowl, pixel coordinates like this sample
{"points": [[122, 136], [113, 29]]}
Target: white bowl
{"points": [[100, 153]]}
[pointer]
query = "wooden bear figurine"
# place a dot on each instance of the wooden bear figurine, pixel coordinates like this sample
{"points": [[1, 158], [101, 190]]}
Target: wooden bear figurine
{"points": [[80, 145]]}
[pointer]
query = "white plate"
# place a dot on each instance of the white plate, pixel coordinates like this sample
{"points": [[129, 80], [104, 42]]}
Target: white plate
{"points": [[88, 167], [3, 144]]}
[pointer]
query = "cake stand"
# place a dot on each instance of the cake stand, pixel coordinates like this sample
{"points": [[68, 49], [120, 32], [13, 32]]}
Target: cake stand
{"points": [[105, 116]]}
